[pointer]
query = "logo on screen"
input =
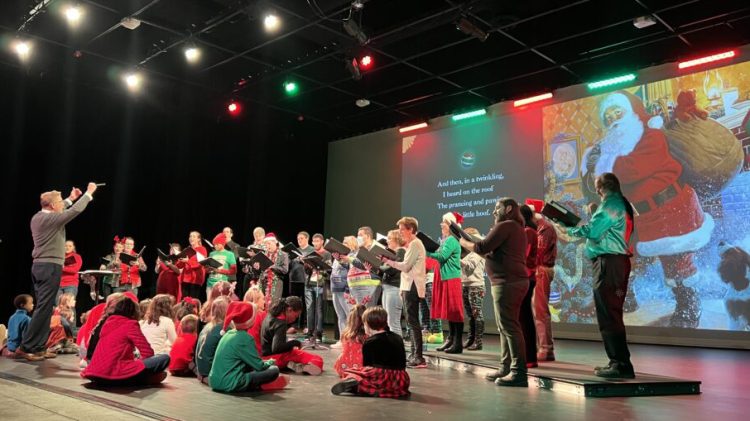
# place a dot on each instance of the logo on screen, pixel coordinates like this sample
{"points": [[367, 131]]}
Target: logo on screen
{"points": [[468, 159]]}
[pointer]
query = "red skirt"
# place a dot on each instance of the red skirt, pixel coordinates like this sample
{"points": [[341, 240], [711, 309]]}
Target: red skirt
{"points": [[447, 300], [381, 382]]}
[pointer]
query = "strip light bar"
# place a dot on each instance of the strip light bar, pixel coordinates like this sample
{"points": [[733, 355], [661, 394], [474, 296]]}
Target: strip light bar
{"points": [[707, 59], [413, 127], [470, 114], [532, 99], [611, 81]]}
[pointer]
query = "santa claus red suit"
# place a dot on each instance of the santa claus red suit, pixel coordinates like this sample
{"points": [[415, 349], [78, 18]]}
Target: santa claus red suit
{"points": [[670, 222]]}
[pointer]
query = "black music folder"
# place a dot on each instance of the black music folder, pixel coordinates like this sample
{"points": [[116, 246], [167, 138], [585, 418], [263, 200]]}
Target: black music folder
{"points": [[561, 214]]}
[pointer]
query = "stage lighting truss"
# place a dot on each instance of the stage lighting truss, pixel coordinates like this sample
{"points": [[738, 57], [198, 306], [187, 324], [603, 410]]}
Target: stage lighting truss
{"points": [[352, 28]]}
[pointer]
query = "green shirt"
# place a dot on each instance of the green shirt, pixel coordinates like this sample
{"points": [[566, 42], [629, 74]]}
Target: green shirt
{"points": [[205, 348], [236, 357], [226, 257], [607, 232], [449, 257]]}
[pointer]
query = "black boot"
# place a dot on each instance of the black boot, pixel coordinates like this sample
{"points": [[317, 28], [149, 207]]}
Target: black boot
{"points": [[448, 341], [472, 333], [477, 345], [687, 311], [458, 331]]}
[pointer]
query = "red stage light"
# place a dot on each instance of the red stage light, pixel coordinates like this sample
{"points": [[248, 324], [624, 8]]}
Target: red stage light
{"points": [[234, 108], [708, 59], [366, 62], [529, 100]]}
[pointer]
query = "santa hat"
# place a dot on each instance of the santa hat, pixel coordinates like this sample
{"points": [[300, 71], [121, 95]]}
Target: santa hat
{"points": [[239, 312], [631, 104], [220, 239], [270, 237], [454, 217], [130, 295], [536, 205]]}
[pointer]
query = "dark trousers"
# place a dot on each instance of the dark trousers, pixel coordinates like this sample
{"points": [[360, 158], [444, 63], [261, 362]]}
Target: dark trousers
{"points": [[153, 366], [610, 273], [526, 317], [411, 303], [314, 300], [259, 378], [46, 280], [192, 290]]}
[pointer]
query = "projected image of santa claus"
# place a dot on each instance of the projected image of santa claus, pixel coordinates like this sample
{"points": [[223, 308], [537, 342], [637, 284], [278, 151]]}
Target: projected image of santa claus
{"points": [[670, 223]]}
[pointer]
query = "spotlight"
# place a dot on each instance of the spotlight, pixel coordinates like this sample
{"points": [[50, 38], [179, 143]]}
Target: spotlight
{"points": [[73, 14], [234, 108], [366, 62], [133, 81], [353, 68], [290, 88], [22, 49], [271, 22], [192, 54], [130, 23], [351, 28], [362, 102], [469, 28]]}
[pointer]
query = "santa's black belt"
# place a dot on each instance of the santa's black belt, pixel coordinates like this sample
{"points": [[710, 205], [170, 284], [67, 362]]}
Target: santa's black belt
{"points": [[658, 199]]}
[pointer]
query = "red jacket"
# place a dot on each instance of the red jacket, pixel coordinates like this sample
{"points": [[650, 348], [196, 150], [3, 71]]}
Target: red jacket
{"points": [[94, 315], [70, 272], [192, 271], [182, 352], [130, 274], [113, 358]]}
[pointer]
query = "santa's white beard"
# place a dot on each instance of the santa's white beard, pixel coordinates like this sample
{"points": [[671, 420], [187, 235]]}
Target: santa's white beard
{"points": [[621, 138]]}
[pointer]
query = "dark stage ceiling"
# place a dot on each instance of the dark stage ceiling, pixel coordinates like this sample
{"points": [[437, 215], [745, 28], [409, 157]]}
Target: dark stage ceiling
{"points": [[424, 67]]}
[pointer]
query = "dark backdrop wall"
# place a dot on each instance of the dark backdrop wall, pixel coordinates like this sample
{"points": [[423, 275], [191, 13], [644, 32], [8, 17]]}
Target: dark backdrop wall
{"points": [[172, 160]]}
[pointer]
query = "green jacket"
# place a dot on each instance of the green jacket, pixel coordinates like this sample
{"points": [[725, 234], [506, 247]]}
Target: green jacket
{"points": [[449, 257], [236, 357], [607, 231]]}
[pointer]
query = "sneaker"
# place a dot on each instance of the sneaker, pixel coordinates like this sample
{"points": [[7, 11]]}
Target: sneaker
{"points": [[513, 380], [337, 345], [83, 364], [47, 354], [345, 386], [416, 362], [296, 367], [281, 382], [312, 369], [27, 356]]}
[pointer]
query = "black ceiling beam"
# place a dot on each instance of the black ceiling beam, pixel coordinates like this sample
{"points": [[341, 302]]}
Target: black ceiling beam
{"points": [[118, 24]]}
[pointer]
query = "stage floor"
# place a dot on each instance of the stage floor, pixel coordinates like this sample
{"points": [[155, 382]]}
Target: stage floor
{"points": [[53, 390]]}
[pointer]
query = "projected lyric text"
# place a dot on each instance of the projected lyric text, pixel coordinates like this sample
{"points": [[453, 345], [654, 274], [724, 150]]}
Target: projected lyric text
{"points": [[471, 196]]}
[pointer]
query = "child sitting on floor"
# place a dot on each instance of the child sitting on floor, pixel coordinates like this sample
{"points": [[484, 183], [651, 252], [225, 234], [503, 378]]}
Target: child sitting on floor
{"points": [[61, 340], [183, 350], [237, 366], [287, 353], [255, 295], [158, 325], [113, 362], [188, 305], [17, 323], [208, 340], [352, 339], [384, 358]]}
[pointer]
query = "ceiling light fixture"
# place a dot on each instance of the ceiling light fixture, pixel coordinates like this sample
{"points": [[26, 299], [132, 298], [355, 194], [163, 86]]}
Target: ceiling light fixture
{"points": [[362, 102], [366, 62], [470, 114], [644, 21], [192, 54], [291, 88], [22, 49], [132, 81], [612, 81], [708, 59], [413, 127], [351, 28], [73, 14], [353, 67], [468, 27], [271, 22], [130, 23], [532, 99]]}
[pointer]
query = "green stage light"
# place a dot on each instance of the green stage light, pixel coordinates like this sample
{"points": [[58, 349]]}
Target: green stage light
{"points": [[611, 81], [290, 88], [470, 114]]}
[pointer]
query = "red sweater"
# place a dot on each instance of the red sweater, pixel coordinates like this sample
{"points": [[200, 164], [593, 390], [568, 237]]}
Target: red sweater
{"points": [[70, 272], [182, 352], [192, 271], [94, 315], [113, 358]]}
